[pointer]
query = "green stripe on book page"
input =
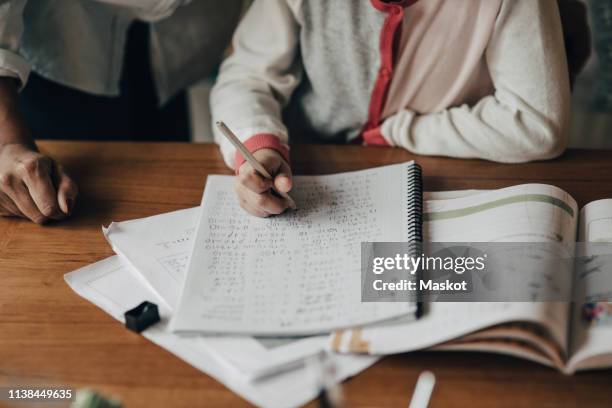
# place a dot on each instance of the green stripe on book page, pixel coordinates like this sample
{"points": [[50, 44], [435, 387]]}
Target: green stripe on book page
{"points": [[462, 212]]}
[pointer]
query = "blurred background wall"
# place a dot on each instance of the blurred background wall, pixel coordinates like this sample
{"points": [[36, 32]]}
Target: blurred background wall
{"points": [[592, 94]]}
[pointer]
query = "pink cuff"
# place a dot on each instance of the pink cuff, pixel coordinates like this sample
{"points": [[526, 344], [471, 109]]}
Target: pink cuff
{"points": [[374, 137], [261, 141]]}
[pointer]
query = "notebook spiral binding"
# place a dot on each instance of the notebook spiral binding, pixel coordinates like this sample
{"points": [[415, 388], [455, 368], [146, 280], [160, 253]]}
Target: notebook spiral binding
{"points": [[414, 213], [415, 203]]}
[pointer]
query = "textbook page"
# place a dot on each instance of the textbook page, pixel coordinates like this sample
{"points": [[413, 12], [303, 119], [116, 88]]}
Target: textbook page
{"points": [[157, 249], [111, 286], [297, 273], [524, 213], [591, 334]]}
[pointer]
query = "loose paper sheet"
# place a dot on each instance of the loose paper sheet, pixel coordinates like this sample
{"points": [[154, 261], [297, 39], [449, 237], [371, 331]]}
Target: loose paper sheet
{"points": [[158, 247], [110, 285]]}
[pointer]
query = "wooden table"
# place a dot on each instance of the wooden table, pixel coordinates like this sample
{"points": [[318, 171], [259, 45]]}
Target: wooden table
{"points": [[49, 335]]}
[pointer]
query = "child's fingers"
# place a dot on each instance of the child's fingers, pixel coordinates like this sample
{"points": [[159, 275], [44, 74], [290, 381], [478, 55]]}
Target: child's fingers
{"points": [[253, 180], [268, 202], [283, 180], [270, 159], [253, 210], [250, 179], [255, 192], [243, 195], [263, 203]]}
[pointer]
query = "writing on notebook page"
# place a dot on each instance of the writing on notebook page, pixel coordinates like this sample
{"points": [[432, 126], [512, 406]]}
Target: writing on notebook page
{"points": [[323, 236], [300, 270]]}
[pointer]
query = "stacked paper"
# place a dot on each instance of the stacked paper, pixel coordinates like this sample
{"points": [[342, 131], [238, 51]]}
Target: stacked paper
{"points": [[267, 371], [221, 276]]}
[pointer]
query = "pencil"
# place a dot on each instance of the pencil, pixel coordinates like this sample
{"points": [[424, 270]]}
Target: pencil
{"points": [[251, 159]]}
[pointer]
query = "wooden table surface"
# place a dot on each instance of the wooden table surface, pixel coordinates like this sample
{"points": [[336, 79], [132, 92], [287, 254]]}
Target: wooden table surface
{"points": [[49, 335]]}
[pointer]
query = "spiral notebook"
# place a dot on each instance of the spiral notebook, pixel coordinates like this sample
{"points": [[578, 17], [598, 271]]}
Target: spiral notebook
{"points": [[297, 273]]}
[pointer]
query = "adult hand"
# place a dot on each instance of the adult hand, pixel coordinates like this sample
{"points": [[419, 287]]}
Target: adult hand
{"points": [[33, 186]]}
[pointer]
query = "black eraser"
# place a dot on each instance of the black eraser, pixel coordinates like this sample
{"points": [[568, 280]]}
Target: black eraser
{"points": [[142, 316]]}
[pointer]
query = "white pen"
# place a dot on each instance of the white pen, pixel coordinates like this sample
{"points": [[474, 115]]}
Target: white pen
{"points": [[422, 390]]}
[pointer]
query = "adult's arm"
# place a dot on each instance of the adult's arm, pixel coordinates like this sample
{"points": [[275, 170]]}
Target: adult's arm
{"points": [[32, 185]]}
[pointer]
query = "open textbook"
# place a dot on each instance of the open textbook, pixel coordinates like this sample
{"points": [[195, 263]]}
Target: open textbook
{"points": [[567, 335], [297, 273]]}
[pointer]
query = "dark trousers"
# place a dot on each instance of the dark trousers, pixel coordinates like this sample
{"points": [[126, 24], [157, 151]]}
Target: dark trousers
{"points": [[54, 111]]}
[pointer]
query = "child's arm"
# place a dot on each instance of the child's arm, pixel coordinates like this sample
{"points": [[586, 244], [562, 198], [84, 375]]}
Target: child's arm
{"points": [[254, 84], [527, 117], [257, 80]]}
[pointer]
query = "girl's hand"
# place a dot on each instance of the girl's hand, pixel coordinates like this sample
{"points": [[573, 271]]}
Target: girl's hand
{"points": [[255, 192]]}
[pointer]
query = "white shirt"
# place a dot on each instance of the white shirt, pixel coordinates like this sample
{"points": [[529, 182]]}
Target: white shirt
{"points": [[80, 43]]}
